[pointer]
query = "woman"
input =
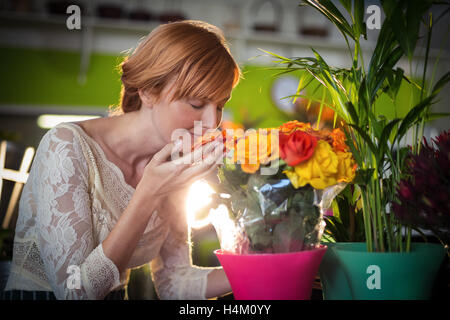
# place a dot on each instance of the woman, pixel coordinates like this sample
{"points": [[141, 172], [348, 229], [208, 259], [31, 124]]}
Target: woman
{"points": [[104, 196]]}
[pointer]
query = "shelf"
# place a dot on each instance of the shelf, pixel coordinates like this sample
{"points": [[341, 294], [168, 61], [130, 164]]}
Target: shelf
{"points": [[116, 35], [13, 18]]}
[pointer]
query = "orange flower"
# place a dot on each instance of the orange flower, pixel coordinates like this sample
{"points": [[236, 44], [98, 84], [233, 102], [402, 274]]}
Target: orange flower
{"points": [[294, 125], [231, 137], [206, 138], [256, 148], [338, 140]]}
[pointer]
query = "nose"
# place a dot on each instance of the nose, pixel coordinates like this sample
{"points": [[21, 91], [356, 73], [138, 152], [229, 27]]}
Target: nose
{"points": [[211, 117]]}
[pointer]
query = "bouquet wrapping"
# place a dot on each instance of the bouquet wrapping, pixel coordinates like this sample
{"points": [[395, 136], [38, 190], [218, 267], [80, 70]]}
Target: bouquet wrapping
{"points": [[274, 186]]}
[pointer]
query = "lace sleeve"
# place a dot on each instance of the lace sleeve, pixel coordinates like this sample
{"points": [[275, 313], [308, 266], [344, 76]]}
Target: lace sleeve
{"points": [[65, 236], [173, 274]]}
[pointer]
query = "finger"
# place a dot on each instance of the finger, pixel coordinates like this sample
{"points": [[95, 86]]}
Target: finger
{"points": [[197, 154], [163, 155], [208, 137], [213, 160]]}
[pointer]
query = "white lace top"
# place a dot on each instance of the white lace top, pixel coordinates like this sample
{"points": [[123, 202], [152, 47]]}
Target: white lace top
{"points": [[72, 199]]}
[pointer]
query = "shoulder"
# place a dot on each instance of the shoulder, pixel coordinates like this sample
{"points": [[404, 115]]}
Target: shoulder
{"points": [[61, 142], [64, 135]]}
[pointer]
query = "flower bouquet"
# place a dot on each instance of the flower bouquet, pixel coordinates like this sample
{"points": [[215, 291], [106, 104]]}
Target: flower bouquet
{"points": [[273, 188]]}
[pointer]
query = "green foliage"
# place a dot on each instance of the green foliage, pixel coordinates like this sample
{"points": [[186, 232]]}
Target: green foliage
{"points": [[347, 223]]}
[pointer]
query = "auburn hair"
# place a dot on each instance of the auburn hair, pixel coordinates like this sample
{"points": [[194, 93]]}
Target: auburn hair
{"points": [[193, 54]]}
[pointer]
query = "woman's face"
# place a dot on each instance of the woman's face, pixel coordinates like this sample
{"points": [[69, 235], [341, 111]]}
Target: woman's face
{"points": [[168, 116]]}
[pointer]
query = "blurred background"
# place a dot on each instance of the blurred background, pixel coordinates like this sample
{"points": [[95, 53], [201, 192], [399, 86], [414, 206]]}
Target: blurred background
{"points": [[50, 73]]}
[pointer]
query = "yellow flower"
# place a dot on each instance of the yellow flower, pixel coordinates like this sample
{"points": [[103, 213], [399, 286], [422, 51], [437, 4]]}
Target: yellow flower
{"points": [[346, 167], [320, 171]]}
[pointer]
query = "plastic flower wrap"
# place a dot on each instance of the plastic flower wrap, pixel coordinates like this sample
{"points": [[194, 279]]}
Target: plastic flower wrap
{"points": [[274, 186]]}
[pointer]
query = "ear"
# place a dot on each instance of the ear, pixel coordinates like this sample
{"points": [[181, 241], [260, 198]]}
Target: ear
{"points": [[146, 97]]}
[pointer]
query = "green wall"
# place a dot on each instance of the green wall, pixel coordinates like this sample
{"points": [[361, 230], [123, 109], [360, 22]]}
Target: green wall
{"points": [[49, 77]]}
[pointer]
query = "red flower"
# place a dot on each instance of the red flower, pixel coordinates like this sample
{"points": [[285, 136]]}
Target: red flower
{"points": [[296, 147]]}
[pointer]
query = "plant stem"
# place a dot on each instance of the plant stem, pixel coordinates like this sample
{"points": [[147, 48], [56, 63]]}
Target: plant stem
{"points": [[367, 222], [408, 239]]}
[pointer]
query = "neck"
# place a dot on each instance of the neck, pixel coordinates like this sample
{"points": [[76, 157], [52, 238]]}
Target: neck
{"points": [[131, 139]]}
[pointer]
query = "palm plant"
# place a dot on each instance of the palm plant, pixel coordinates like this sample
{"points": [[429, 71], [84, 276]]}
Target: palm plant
{"points": [[354, 91]]}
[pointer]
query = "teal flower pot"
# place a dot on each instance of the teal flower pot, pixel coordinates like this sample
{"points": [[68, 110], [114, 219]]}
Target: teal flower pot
{"points": [[332, 276], [390, 276]]}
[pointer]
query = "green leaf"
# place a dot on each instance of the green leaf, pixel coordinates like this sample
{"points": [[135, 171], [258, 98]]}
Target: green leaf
{"points": [[415, 10], [353, 114], [377, 125], [394, 81], [413, 115], [363, 176], [344, 210], [384, 70], [366, 138], [406, 18], [382, 143], [358, 11], [363, 103], [355, 152], [388, 7], [347, 4], [441, 83], [434, 116], [329, 10]]}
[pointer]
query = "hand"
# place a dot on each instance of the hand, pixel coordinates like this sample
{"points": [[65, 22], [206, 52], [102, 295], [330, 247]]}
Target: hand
{"points": [[163, 177]]}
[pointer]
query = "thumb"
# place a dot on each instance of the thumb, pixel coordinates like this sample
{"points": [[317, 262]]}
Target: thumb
{"points": [[162, 155]]}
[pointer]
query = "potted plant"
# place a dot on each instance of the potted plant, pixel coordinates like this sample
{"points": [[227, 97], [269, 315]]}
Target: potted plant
{"points": [[377, 138], [274, 186]]}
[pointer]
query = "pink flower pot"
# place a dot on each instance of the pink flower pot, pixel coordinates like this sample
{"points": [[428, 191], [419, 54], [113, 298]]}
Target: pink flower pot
{"points": [[278, 276]]}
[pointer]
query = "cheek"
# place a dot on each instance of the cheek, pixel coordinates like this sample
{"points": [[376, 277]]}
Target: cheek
{"points": [[178, 116]]}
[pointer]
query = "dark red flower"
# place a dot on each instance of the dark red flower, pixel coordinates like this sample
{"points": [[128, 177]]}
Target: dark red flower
{"points": [[423, 194]]}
